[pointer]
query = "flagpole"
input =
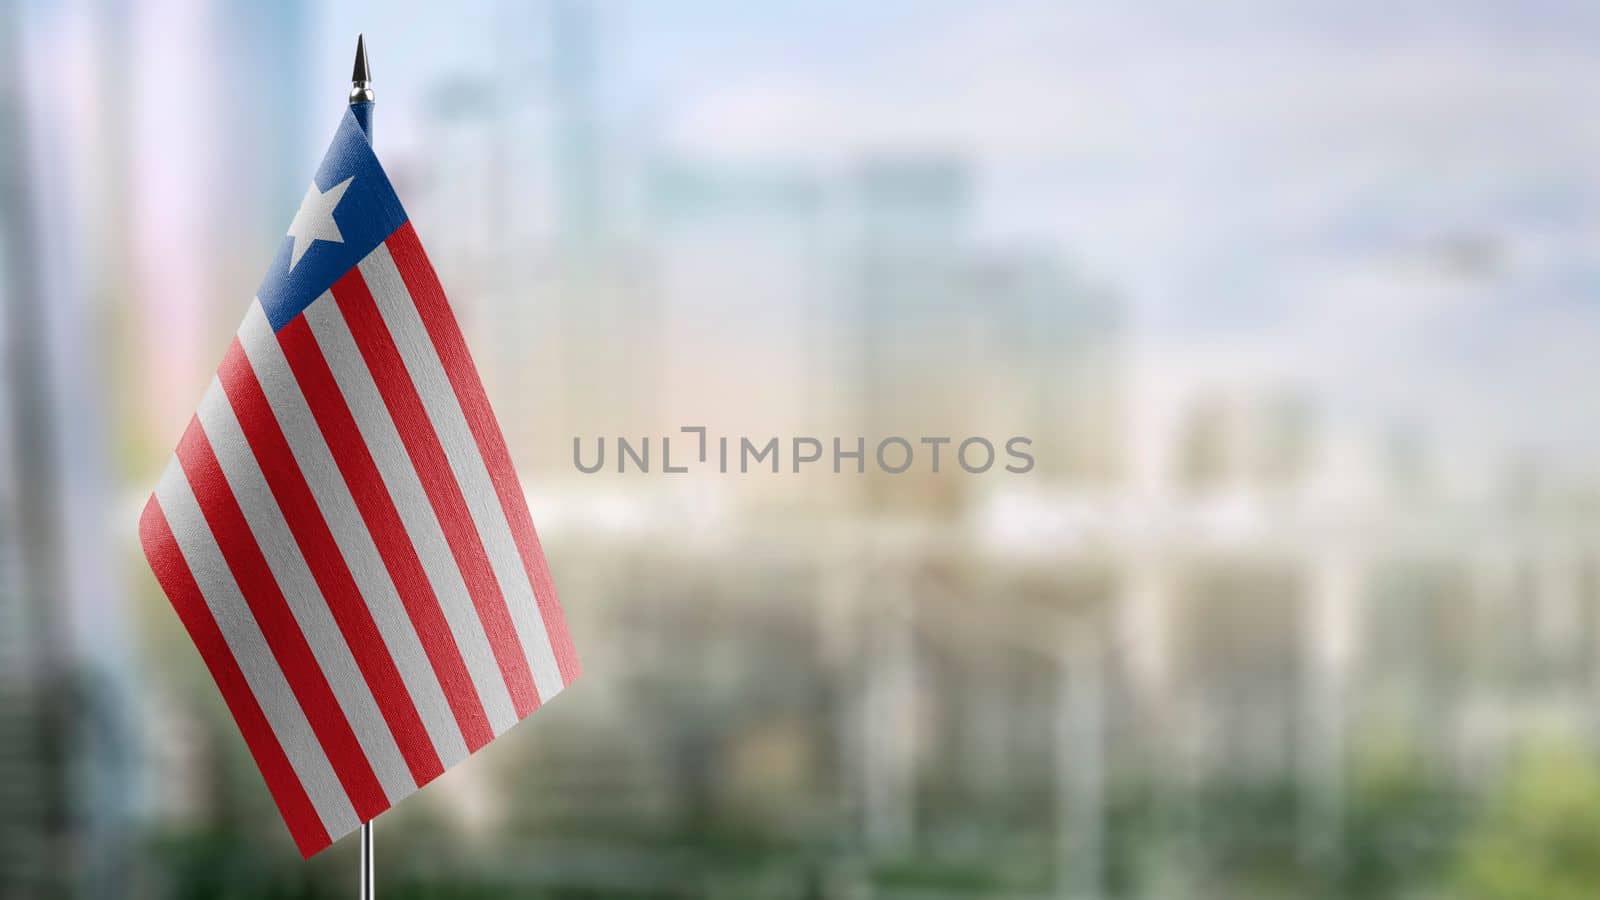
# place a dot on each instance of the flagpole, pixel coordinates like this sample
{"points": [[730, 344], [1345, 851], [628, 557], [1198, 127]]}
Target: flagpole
{"points": [[366, 861], [361, 102]]}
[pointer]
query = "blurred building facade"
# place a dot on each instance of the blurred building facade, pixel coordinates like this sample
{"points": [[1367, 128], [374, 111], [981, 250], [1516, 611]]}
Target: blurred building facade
{"points": [[946, 670]]}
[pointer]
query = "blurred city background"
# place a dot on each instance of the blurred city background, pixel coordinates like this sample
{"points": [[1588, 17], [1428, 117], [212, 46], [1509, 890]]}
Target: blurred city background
{"points": [[1302, 598]]}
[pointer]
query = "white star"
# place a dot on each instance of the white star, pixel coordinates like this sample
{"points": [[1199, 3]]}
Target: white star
{"points": [[314, 221]]}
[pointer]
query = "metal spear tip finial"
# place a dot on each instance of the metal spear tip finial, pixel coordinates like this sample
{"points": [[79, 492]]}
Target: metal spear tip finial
{"points": [[361, 75]]}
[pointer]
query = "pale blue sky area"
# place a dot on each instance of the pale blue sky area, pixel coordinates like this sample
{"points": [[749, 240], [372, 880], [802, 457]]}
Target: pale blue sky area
{"points": [[1392, 202]]}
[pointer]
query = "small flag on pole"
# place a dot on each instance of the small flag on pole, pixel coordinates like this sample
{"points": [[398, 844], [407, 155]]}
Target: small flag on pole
{"points": [[341, 530]]}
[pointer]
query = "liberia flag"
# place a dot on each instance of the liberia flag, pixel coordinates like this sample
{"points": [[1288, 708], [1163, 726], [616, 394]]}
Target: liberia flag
{"points": [[341, 530]]}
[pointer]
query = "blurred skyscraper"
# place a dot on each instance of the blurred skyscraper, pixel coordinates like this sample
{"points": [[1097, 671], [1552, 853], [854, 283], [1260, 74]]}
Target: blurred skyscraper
{"points": [[68, 769], [949, 336], [523, 209]]}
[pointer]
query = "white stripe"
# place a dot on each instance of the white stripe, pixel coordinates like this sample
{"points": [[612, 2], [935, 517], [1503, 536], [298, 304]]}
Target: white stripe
{"points": [[350, 532], [416, 513], [299, 589], [466, 461], [250, 651]]}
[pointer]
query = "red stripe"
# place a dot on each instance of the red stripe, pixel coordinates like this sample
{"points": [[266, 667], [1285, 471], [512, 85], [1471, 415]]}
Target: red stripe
{"points": [[433, 468], [428, 295], [271, 611], [388, 531], [172, 572], [327, 563]]}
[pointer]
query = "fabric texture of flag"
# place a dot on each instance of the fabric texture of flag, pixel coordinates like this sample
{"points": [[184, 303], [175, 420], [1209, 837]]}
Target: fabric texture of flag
{"points": [[341, 530]]}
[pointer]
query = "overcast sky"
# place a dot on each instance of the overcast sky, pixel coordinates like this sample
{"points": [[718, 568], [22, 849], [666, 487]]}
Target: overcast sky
{"points": [[1391, 203]]}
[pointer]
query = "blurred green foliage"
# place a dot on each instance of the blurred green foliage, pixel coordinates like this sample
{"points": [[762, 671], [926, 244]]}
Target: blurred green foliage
{"points": [[1402, 826], [1539, 838], [1406, 832]]}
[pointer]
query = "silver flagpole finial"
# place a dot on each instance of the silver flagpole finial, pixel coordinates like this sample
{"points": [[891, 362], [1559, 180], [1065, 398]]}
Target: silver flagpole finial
{"points": [[361, 75]]}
